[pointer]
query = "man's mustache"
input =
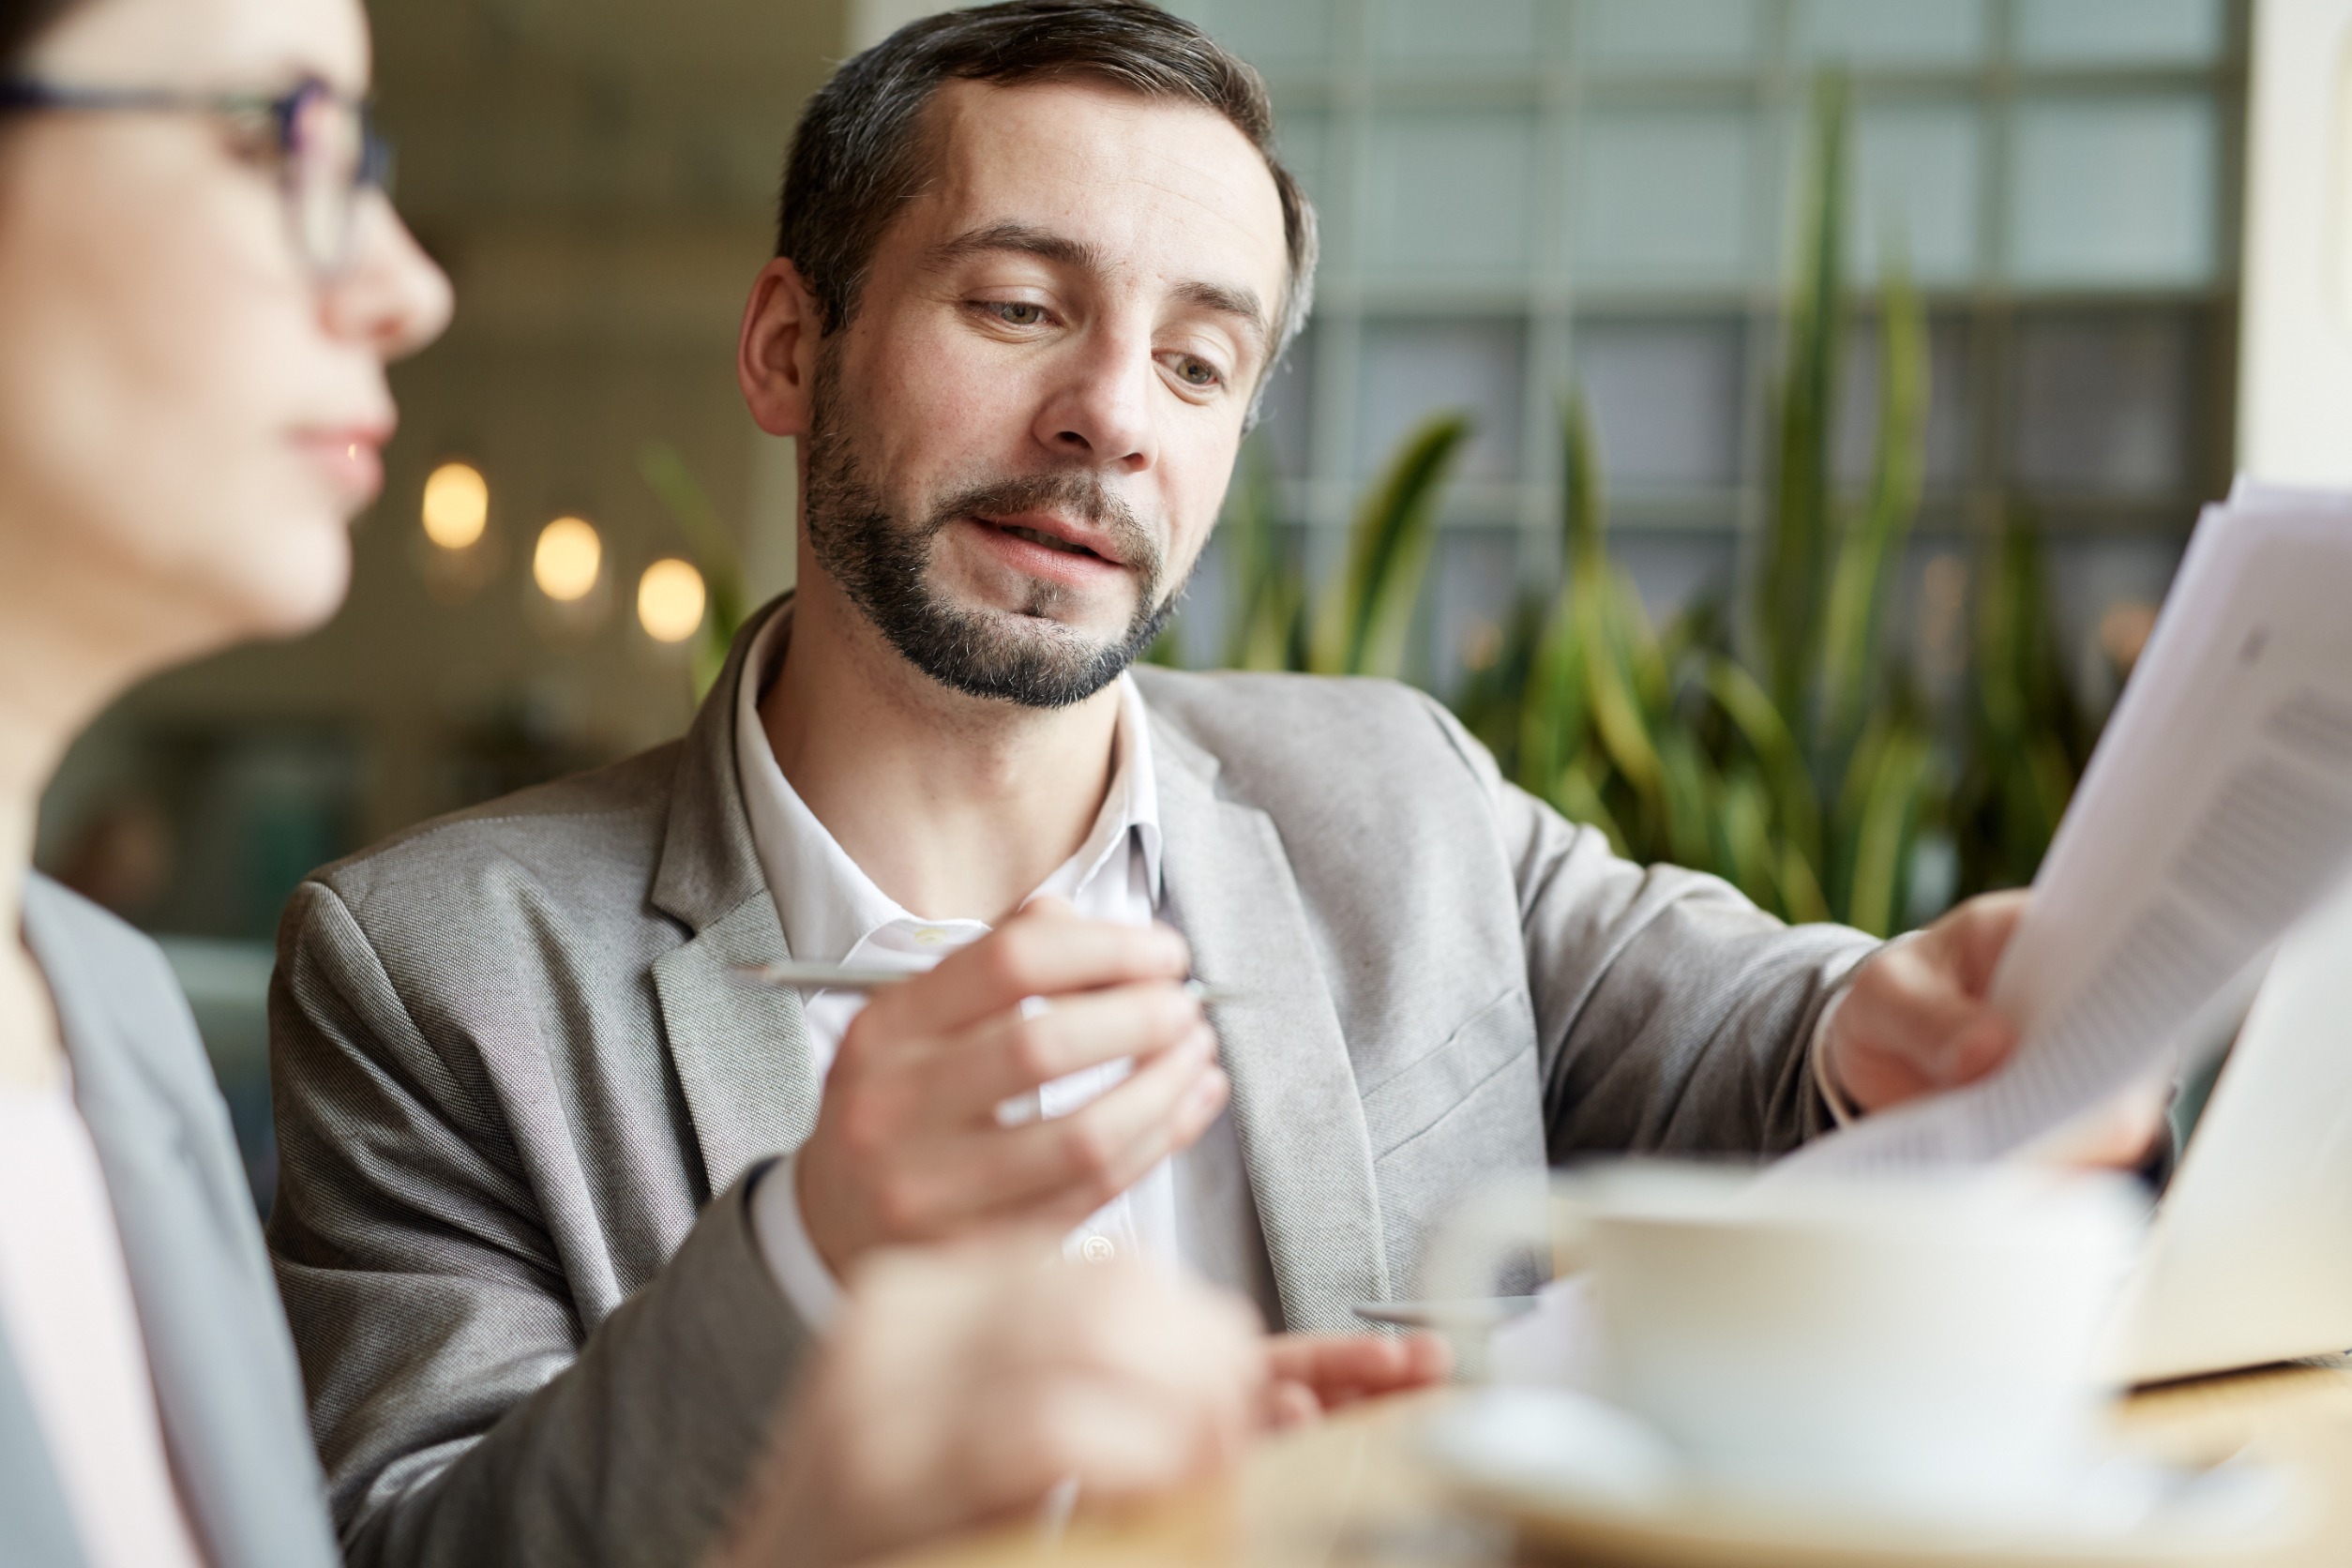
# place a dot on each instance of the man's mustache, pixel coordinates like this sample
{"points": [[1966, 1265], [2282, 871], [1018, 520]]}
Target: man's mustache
{"points": [[1072, 494]]}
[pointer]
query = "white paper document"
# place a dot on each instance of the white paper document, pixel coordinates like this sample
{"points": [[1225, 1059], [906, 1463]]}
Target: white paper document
{"points": [[2215, 811]]}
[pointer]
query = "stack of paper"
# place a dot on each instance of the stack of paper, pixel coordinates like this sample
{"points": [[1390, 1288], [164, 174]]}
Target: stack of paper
{"points": [[2216, 810]]}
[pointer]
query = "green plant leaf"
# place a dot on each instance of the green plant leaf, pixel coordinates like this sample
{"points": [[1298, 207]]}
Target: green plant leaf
{"points": [[1579, 795], [1875, 539], [1364, 619], [1892, 791], [1789, 587], [1760, 724]]}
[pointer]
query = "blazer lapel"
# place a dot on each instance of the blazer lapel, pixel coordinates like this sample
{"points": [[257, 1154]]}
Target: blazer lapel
{"points": [[32, 1513], [1296, 1110], [226, 1385], [741, 1052]]}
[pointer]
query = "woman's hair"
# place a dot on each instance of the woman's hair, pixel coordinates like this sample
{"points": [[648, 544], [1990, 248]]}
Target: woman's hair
{"points": [[21, 23]]}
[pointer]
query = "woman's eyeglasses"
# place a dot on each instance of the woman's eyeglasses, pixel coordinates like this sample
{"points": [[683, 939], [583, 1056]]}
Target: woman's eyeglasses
{"points": [[327, 152]]}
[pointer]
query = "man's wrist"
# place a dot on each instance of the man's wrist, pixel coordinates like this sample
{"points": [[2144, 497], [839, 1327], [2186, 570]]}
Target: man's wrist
{"points": [[791, 1256]]}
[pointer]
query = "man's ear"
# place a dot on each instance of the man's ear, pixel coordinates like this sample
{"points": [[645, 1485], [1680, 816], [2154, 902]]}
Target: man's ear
{"points": [[775, 356]]}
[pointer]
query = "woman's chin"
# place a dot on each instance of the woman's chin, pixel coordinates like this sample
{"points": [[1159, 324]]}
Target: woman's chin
{"points": [[292, 590]]}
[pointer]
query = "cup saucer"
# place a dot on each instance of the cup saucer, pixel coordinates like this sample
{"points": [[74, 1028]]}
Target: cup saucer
{"points": [[1584, 1477]]}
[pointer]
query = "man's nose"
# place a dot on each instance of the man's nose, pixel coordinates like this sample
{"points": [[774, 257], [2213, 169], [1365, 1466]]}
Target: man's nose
{"points": [[1100, 413]]}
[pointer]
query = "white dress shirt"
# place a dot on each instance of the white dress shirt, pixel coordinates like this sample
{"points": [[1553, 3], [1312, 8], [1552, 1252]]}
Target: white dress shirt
{"points": [[1195, 1209], [73, 1332]]}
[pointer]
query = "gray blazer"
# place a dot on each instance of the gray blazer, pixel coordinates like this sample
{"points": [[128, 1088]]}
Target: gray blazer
{"points": [[224, 1369], [518, 1100]]}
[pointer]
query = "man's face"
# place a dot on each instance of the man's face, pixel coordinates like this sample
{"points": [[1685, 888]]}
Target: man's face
{"points": [[1019, 445]]}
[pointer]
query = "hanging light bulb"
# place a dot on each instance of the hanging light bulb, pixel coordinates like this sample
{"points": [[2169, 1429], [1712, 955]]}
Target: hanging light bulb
{"points": [[568, 559], [670, 600], [457, 505]]}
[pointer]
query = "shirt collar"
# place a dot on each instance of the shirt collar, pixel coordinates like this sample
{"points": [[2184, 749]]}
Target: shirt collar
{"points": [[826, 902]]}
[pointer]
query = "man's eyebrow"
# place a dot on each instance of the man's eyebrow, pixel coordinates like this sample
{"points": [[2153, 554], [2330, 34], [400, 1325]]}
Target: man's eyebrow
{"points": [[1026, 238], [1227, 301], [1029, 240]]}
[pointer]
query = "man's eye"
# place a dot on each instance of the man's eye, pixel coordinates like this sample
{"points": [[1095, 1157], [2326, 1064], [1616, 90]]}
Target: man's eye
{"points": [[1015, 313], [1197, 373]]}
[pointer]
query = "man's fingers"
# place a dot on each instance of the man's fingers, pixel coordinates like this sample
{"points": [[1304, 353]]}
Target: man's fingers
{"points": [[1973, 937], [1036, 952], [1907, 1000], [1347, 1366], [1291, 1403], [1015, 1052], [1073, 1164]]}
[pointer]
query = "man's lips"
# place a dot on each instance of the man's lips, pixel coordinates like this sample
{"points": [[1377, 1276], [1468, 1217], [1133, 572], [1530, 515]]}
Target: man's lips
{"points": [[1053, 533], [1042, 551]]}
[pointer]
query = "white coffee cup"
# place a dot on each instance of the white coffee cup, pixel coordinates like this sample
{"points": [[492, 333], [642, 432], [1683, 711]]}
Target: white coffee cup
{"points": [[1920, 1346]]}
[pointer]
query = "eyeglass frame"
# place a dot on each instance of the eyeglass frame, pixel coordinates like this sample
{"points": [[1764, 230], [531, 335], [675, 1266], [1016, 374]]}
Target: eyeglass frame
{"points": [[373, 170]]}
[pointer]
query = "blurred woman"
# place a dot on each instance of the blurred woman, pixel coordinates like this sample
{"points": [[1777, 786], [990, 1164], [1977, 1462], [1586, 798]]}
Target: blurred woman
{"points": [[201, 282]]}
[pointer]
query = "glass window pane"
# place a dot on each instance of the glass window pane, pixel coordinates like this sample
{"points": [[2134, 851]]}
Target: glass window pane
{"points": [[1450, 195], [1673, 571], [1270, 34], [1892, 32], [1666, 34], [1662, 197], [1411, 369], [2103, 401], [1299, 141], [2097, 581], [1916, 180], [2114, 192], [1948, 406], [2121, 32], [1477, 585], [1287, 409], [1665, 397], [1413, 32]]}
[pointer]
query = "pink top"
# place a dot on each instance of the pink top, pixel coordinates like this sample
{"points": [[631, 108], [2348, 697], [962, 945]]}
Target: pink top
{"points": [[73, 1334]]}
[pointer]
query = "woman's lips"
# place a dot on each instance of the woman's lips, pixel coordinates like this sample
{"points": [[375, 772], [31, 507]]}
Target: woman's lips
{"points": [[352, 460]]}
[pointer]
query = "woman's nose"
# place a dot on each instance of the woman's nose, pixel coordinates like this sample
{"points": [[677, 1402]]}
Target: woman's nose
{"points": [[391, 295]]}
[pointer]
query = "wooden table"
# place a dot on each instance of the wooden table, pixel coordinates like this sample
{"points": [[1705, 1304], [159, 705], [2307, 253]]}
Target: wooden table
{"points": [[1351, 1493]]}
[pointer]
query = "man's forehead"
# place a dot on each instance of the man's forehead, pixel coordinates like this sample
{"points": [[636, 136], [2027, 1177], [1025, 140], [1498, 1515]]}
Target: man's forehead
{"points": [[1158, 184]]}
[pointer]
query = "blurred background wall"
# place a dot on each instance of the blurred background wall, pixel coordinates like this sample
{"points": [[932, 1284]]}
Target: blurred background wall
{"points": [[1518, 196]]}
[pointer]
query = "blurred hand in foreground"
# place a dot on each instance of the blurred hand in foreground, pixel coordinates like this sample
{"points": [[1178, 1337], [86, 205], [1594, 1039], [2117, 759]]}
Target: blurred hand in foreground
{"points": [[1315, 1372], [962, 1385], [1918, 1020]]}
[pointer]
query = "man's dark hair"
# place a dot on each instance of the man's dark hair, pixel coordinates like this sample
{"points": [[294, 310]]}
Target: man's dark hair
{"points": [[21, 23], [859, 152]]}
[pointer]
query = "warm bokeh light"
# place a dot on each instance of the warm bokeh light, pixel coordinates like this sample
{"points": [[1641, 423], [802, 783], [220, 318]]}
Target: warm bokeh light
{"points": [[457, 505], [670, 600], [568, 559]]}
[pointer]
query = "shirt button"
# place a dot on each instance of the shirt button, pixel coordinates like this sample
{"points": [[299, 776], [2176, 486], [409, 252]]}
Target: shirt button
{"points": [[1097, 1249], [930, 936]]}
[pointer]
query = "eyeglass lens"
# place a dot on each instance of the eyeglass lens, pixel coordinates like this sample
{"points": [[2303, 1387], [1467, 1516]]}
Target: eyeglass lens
{"points": [[327, 154]]}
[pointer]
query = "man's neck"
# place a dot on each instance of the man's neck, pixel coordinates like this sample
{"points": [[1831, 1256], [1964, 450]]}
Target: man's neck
{"points": [[956, 807]]}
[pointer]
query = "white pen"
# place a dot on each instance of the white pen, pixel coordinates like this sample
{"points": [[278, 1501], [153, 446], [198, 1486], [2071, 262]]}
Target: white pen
{"points": [[798, 975]]}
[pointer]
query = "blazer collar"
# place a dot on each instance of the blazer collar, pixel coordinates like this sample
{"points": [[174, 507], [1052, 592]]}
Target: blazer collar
{"points": [[741, 1052], [1296, 1111], [708, 866]]}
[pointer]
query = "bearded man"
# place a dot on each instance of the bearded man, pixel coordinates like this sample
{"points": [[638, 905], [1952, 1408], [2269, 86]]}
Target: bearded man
{"points": [[1035, 265]]}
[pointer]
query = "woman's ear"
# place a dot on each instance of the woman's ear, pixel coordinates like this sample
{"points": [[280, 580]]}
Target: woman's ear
{"points": [[775, 356]]}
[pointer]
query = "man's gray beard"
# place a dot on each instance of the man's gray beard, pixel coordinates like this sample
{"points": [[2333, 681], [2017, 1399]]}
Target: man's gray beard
{"points": [[883, 563]]}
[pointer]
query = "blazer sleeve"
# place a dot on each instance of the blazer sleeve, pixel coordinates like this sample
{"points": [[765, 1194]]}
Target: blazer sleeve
{"points": [[463, 1415], [1673, 1016]]}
